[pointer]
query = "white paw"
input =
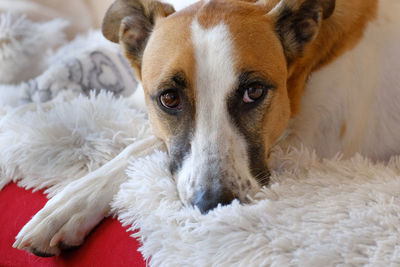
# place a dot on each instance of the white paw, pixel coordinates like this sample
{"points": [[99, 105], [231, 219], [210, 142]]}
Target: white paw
{"points": [[62, 223], [69, 216]]}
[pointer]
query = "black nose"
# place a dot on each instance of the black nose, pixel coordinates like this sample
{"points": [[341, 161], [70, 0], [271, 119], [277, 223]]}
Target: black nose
{"points": [[207, 199]]}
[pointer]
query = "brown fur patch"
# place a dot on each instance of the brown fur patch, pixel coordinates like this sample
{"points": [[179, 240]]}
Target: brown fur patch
{"points": [[259, 49], [161, 60], [338, 34]]}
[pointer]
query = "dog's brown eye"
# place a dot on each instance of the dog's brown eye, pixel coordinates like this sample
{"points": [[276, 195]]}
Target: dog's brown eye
{"points": [[253, 92], [170, 99]]}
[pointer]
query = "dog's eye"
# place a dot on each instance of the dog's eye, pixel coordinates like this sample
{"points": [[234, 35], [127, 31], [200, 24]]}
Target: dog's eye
{"points": [[253, 92], [170, 99]]}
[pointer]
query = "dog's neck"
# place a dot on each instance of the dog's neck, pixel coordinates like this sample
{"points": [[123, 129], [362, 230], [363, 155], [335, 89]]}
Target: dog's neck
{"points": [[339, 33]]}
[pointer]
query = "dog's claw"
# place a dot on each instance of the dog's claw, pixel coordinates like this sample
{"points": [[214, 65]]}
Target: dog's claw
{"points": [[23, 243], [56, 239], [17, 244]]}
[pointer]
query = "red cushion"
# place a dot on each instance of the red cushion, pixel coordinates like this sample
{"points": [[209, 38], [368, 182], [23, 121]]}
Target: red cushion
{"points": [[108, 245]]}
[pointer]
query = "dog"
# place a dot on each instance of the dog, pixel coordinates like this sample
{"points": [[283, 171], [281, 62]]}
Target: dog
{"points": [[227, 81]]}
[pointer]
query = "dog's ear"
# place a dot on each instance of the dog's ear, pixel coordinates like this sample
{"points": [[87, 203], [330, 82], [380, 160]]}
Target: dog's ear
{"points": [[130, 23], [297, 23]]}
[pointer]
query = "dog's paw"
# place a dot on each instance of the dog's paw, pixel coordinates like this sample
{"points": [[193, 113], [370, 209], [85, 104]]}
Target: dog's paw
{"points": [[72, 213], [63, 223]]}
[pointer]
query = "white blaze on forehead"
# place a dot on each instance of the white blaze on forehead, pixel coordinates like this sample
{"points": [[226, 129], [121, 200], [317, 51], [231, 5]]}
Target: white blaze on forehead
{"points": [[215, 77], [217, 149]]}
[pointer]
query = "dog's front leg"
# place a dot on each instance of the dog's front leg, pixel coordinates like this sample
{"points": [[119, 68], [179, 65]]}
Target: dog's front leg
{"points": [[71, 214]]}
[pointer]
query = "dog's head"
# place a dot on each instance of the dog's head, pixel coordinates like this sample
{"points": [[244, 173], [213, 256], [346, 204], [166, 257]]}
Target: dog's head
{"points": [[215, 77]]}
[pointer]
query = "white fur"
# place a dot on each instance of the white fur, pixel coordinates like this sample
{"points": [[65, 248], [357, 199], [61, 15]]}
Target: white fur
{"points": [[25, 45], [72, 218], [360, 89], [180, 4], [315, 213], [215, 145], [65, 140]]}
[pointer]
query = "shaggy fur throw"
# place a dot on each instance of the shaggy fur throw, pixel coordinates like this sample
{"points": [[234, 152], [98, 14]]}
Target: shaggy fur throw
{"points": [[314, 212]]}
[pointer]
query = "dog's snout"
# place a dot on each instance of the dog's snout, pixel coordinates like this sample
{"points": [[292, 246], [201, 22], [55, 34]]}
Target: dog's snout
{"points": [[207, 199]]}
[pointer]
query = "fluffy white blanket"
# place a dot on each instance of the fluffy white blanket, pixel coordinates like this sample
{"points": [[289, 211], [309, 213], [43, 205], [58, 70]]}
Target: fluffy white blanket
{"points": [[314, 213]]}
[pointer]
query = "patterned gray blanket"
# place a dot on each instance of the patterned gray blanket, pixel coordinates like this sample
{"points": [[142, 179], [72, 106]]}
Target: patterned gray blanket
{"points": [[35, 67]]}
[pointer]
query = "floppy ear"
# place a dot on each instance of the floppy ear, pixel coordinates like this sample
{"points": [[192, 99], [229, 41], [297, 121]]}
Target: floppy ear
{"points": [[297, 23], [130, 22]]}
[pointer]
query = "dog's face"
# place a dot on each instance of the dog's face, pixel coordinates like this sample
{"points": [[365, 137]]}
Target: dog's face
{"points": [[214, 76]]}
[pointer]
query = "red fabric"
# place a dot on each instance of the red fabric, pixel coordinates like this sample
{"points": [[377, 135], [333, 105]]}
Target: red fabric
{"points": [[108, 245]]}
